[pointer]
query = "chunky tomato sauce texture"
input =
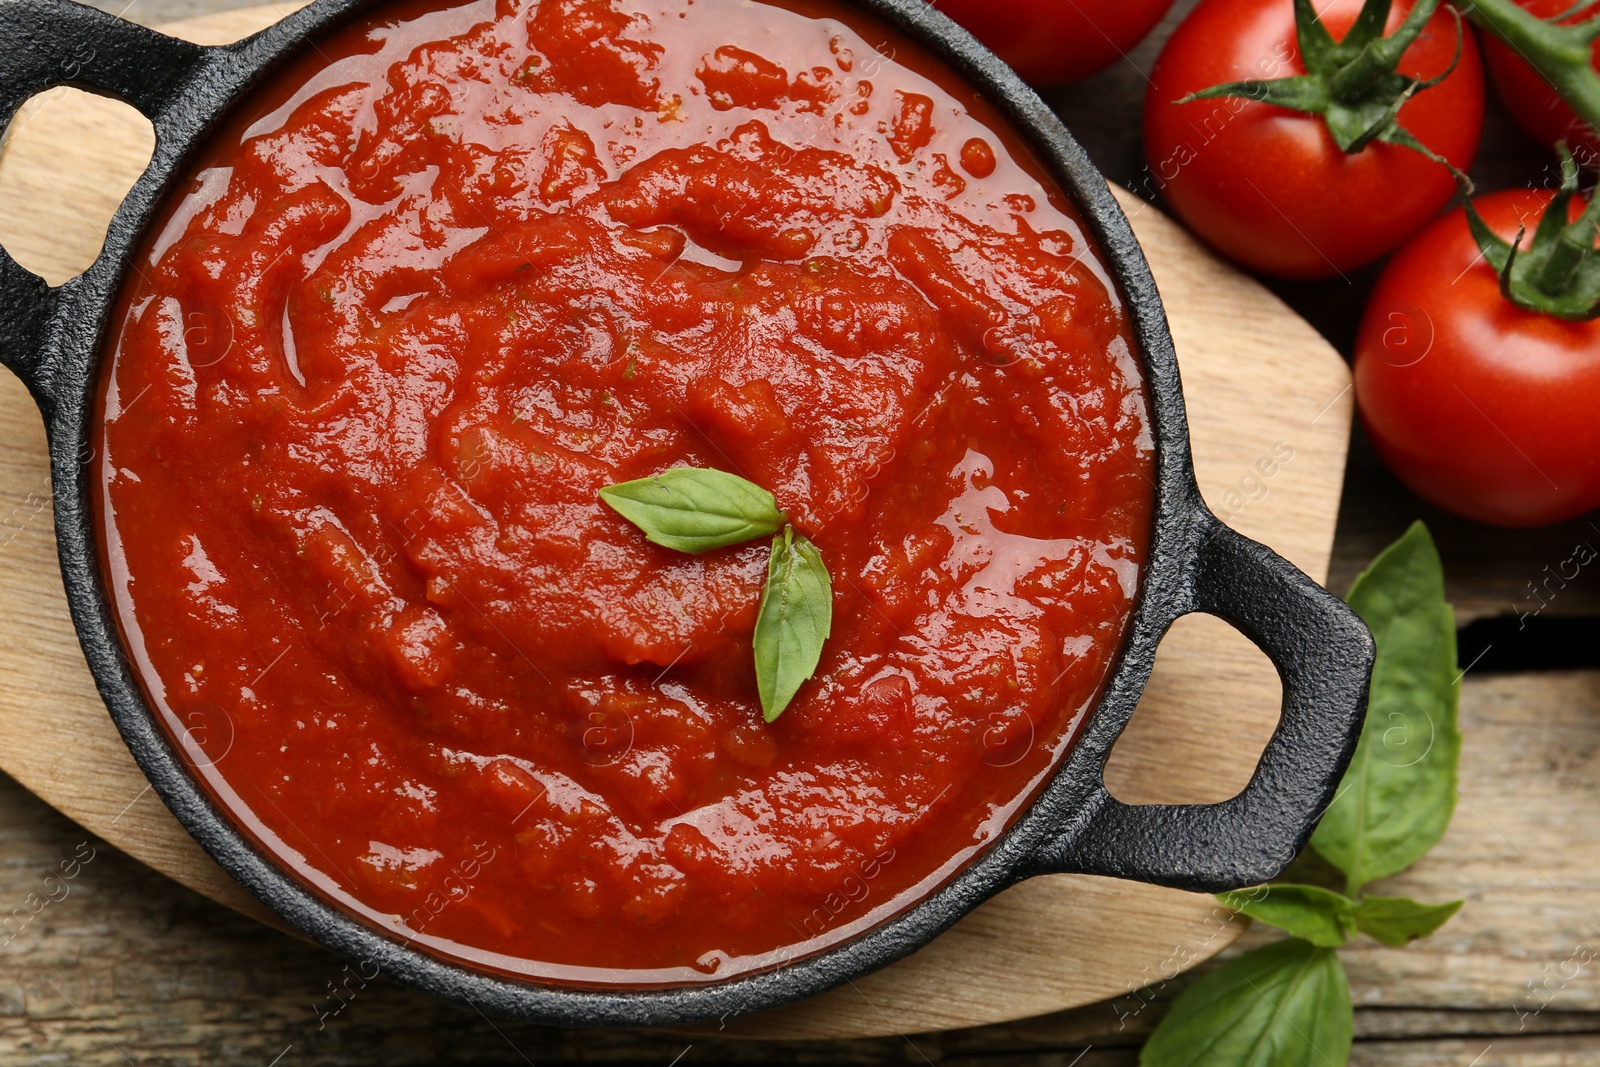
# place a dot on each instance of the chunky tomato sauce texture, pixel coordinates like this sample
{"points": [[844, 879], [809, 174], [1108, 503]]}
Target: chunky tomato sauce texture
{"points": [[460, 267]]}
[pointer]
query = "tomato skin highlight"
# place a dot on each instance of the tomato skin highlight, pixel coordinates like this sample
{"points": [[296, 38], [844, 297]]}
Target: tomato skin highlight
{"points": [[1052, 42], [1536, 107], [1268, 187], [1477, 405]]}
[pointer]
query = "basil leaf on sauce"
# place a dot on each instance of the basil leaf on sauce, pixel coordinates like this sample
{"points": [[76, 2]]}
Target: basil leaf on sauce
{"points": [[1397, 921], [1286, 1004], [795, 619], [695, 509], [1320, 916], [1400, 791]]}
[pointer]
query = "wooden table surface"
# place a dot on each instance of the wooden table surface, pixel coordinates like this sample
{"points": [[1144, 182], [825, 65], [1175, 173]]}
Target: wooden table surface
{"points": [[126, 967]]}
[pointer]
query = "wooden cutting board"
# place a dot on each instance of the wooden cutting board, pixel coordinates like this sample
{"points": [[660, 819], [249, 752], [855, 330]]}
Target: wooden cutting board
{"points": [[1269, 409]]}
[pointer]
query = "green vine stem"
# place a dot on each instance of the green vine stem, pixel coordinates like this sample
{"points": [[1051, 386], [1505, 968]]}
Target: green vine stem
{"points": [[1560, 54]]}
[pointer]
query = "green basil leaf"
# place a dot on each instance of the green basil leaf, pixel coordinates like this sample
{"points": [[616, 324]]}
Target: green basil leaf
{"points": [[694, 509], [1397, 921], [1317, 915], [1286, 1004], [1400, 791], [795, 619]]}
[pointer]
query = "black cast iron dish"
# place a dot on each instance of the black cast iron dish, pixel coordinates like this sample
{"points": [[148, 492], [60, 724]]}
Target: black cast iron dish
{"points": [[51, 338]]}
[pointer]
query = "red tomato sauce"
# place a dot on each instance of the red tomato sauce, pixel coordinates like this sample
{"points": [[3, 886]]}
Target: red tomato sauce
{"points": [[458, 268]]}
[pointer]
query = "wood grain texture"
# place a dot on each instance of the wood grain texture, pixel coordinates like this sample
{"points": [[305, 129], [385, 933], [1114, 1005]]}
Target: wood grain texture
{"points": [[1270, 412], [128, 967]]}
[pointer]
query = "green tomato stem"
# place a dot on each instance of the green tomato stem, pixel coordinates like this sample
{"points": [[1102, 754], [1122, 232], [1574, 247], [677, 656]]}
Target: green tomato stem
{"points": [[1575, 244], [1381, 56], [1560, 54]]}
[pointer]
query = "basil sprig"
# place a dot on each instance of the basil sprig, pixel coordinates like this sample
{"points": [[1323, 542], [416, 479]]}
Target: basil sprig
{"points": [[795, 619], [1400, 790], [695, 510], [1329, 920], [1288, 1004], [1311, 913], [1398, 921]]}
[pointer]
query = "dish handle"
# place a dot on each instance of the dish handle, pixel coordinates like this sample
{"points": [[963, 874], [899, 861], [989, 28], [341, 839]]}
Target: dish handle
{"points": [[1323, 653], [48, 43]]}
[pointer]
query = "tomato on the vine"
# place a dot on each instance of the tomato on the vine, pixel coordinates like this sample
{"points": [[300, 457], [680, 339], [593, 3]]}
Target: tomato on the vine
{"points": [[1050, 42], [1485, 408], [1270, 187], [1535, 106]]}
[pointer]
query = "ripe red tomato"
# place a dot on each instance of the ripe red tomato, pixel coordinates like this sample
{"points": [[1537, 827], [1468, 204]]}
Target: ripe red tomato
{"points": [[1535, 105], [1268, 187], [1050, 42], [1479, 406]]}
